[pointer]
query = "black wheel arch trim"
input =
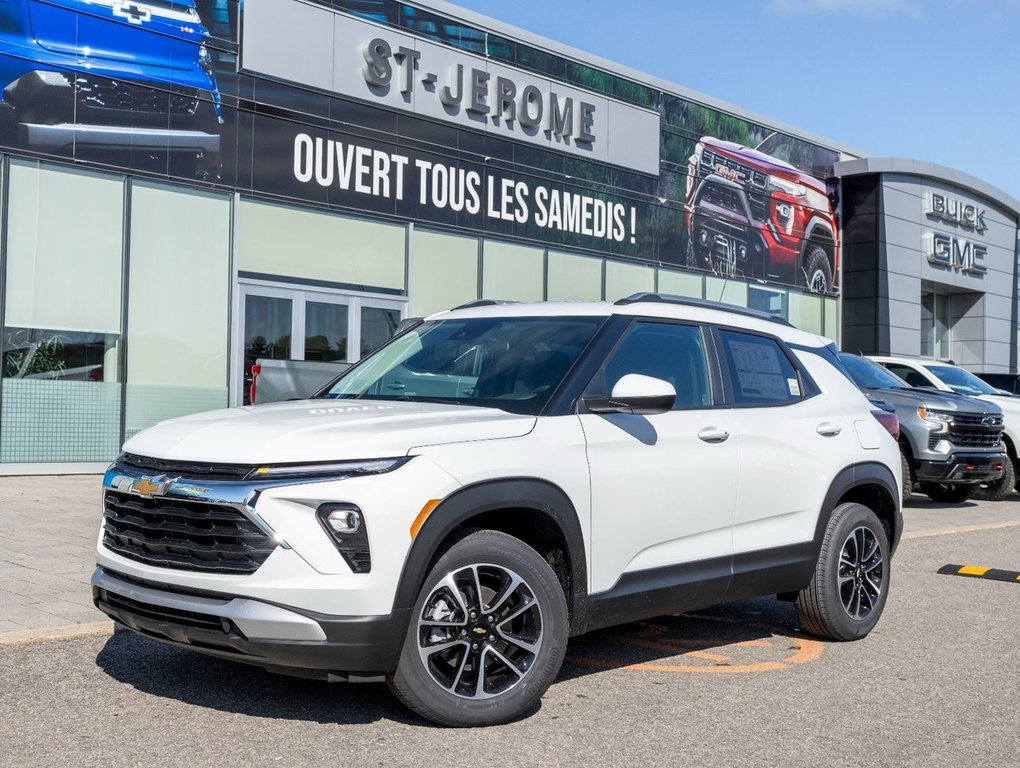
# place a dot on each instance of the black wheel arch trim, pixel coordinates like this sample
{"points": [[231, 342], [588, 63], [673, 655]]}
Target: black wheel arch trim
{"points": [[488, 496], [817, 232], [856, 476]]}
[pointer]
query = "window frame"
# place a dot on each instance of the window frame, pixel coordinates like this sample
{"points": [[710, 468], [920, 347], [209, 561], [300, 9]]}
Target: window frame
{"points": [[596, 387], [808, 388]]}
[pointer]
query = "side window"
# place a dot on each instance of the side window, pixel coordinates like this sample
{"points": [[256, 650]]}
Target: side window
{"points": [[909, 375], [673, 353], [761, 372]]}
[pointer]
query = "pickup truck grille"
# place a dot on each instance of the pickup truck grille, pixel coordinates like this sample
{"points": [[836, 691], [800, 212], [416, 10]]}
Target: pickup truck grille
{"points": [[104, 93], [972, 432], [183, 534], [754, 184]]}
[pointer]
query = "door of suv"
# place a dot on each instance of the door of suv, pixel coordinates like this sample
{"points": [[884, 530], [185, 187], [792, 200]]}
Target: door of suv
{"points": [[663, 486], [789, 445]]}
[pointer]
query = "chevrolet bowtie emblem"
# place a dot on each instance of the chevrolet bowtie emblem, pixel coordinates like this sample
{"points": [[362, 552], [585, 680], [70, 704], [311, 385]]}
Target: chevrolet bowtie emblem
{"points": [[146, 487]]}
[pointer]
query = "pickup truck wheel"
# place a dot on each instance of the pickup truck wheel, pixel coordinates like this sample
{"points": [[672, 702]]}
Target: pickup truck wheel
{"points": [[851, 581], [999, 489], [817, 270], [908, 476], [948, 493], [487, 635]]}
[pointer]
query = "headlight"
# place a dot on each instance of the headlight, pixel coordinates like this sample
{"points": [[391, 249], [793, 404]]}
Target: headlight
{"points": [[936, 421], [205, 61], [789, 187], [335, 470]]}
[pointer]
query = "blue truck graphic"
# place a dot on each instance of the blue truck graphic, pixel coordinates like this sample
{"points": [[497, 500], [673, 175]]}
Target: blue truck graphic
{"points": [[98, 78]]}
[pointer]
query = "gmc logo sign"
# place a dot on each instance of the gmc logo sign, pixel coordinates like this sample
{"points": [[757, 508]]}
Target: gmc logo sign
{"points": [[957, 253]]}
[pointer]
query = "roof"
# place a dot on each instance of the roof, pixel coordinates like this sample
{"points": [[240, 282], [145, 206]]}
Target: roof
{"points": [[642, 305]]}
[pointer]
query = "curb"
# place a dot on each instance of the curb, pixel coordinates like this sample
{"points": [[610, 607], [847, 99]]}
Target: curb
{"points": [[53, 634]]}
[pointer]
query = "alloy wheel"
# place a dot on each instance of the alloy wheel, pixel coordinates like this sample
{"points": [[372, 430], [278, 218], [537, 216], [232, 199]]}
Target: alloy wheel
{"points": [[479, 631], [861, 573]]}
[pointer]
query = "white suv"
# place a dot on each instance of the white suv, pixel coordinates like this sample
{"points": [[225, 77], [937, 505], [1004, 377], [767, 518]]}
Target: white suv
{"points": [[947, 377], [501, 477]]}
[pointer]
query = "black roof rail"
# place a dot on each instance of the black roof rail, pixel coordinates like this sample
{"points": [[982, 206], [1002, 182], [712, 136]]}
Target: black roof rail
{"points": [[685, 301], [483, 303]]}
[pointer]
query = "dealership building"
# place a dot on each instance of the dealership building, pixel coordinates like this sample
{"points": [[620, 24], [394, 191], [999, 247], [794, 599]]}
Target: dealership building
{"points": [[188, 187]]}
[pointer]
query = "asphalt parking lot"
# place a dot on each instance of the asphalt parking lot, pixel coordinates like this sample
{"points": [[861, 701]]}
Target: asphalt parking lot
{"points": [[935, 684]]}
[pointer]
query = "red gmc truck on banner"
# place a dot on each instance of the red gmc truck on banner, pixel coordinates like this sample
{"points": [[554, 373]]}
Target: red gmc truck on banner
{"points": [[751, 213]]}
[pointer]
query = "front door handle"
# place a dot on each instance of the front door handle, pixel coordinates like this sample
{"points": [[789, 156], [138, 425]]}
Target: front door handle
{"points": [[828, 429], [713, 435]]}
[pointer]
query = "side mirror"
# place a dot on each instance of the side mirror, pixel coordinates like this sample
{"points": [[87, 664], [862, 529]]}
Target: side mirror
{"points": [[638, 394]]}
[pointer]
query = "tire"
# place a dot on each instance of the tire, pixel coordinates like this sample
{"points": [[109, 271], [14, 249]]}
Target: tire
{"points": [[817, 270], [517, 636], [999, 489], [947, 493], [848, 591], [908, 476]]}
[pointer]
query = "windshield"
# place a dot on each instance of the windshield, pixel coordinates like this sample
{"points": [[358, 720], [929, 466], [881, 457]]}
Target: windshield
{"points": [[961, 381], [511, 363], [868, 375]]}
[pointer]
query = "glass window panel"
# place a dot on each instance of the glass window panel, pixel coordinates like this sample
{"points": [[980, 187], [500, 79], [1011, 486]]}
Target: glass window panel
{"points": [[377, 327], [444, 272], [666, 351], [180, 257], [512, 272], [727, 291], [805, 311], [267, 329], [61, 396], [574, 278], [831, 312], [681, 284], [760, 371], [626, 279], [767, 300], [294, 242], [325, 331]]}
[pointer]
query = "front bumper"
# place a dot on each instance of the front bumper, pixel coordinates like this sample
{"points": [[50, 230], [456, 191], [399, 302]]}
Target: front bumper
{"points": [[64, 135], [280, 639], [962, 468]]}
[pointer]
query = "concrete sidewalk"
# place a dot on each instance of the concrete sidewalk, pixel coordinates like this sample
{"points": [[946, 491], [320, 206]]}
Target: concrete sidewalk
{"points": [[48, 531], [49, 526]]}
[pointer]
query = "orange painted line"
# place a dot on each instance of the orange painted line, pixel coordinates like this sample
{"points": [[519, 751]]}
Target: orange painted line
{"points": [[419, 521]]}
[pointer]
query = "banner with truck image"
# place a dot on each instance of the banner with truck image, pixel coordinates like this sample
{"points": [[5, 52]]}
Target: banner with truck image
{"points": [[380, 107]]}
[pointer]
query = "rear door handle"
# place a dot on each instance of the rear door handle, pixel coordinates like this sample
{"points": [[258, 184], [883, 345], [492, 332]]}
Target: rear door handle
{"points": [[828, 429], [713, 435]]}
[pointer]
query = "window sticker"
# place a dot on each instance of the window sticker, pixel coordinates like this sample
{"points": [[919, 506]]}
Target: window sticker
{"points": [[794, 386]]}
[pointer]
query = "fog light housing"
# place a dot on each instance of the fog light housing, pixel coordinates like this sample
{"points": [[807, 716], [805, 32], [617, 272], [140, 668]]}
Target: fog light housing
{"points": [[345, 526]]}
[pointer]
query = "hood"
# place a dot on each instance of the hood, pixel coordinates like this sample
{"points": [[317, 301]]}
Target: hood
{"points": [[763, 162], [937, 400], [163, 33], [322, 430], [1009, 404]]}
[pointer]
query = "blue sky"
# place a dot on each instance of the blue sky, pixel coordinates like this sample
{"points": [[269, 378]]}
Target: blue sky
{"points": [[933, 80]]}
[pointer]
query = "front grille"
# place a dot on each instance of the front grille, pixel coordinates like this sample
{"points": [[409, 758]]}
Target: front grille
{"points": [[103, 93], [754, 184], [183, 534], [968, 438], [189, 469], [994, 420], [747, 174]]}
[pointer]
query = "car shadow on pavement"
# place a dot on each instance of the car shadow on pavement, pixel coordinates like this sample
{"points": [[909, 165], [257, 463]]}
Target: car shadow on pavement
{"points": [[748, 636], [167, 671]]}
